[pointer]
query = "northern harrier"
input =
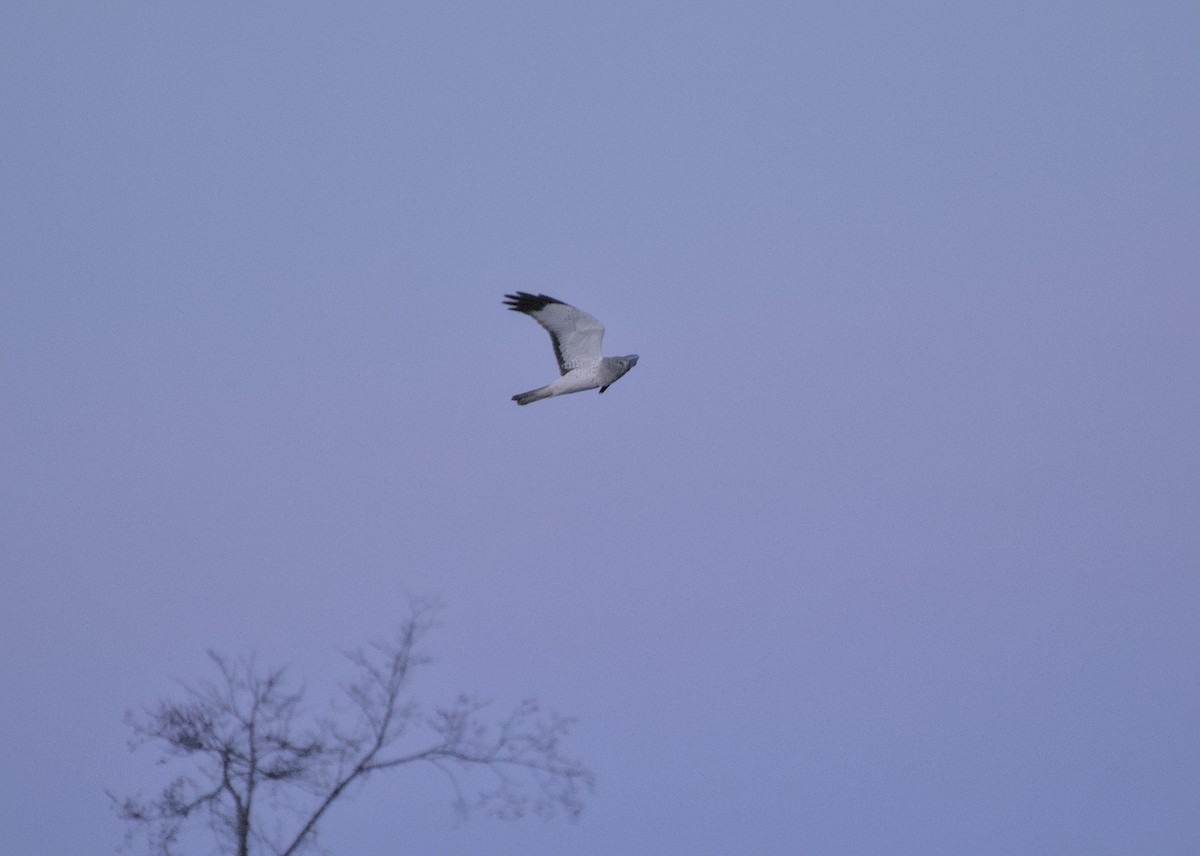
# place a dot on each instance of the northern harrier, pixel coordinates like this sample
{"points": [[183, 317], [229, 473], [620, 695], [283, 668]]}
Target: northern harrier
{"points": [[576, 338]]}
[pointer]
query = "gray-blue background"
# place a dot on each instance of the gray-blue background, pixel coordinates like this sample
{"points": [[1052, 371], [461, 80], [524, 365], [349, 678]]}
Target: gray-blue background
{"points": [[889, 543]]}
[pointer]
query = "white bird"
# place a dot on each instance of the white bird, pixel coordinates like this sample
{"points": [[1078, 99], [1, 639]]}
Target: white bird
{"points": [[576, 338]]}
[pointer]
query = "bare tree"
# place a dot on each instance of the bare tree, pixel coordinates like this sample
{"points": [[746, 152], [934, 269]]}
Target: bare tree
{"points": [[262, 773]]}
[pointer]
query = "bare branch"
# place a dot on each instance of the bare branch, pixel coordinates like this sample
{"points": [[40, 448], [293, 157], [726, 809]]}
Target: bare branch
{"points": [[247, 745]]}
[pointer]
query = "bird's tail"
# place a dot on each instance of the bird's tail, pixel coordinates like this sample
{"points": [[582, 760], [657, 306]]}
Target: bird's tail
{"points": [[532, 396]]}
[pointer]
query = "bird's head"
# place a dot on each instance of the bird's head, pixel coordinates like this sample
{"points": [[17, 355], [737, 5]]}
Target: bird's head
{"points": [[619, 366]]}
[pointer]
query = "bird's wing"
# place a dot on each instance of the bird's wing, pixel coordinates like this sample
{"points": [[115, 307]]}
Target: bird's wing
{"points": [[575, 335]]}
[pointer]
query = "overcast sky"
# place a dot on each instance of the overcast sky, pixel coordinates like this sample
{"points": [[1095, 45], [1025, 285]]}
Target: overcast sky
{"points": [[888, 545]]}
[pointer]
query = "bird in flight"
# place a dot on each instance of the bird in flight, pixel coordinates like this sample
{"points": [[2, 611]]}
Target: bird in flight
{"points": [[576, 338]]}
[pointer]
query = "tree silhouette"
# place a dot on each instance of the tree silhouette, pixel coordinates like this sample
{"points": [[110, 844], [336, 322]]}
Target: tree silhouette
{"points": [[263, 773]]}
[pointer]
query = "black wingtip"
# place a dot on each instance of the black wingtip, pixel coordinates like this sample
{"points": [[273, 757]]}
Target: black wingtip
{"points": [[525, 302]]}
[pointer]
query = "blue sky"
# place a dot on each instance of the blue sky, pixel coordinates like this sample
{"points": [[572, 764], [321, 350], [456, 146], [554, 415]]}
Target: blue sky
{"points": [[889, 543]]}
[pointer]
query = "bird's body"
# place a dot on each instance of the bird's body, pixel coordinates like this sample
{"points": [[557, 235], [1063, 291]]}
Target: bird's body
{"points": [[576, 337]]}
